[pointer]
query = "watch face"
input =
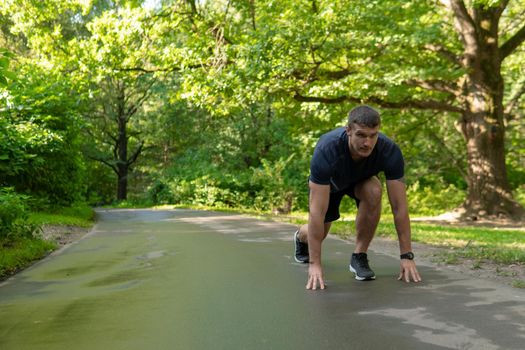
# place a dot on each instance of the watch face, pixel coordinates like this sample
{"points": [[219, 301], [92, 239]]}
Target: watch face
{"points": [[409, 256]]}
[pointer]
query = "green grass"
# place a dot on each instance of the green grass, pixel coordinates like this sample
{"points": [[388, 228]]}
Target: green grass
{"points": [[79, 215], [500, 246], [22, 253], [477, 243], [518, 284]]}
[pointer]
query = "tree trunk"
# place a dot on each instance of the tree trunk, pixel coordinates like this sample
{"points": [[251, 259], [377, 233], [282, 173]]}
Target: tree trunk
{"points": [[489, 193], [122, 151], [482, 124]]}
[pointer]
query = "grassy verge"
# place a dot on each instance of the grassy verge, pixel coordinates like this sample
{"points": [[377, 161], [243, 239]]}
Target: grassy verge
{"points": [[496, 245], [81, 216], [476, 243], [23, 251]]}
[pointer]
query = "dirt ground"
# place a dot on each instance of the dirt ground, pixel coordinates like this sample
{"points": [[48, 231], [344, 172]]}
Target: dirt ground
{"points": [[62, 234]]}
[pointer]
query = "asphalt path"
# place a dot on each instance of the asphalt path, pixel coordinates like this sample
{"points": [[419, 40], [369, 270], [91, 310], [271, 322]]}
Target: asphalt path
{"points": [[184, 279]]}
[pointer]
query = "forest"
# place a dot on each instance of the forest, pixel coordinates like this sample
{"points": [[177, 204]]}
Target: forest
{"points": [[219, 103]]}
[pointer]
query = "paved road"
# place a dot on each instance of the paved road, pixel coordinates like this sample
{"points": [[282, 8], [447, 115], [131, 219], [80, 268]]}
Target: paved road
{"points": [[184, 279]]}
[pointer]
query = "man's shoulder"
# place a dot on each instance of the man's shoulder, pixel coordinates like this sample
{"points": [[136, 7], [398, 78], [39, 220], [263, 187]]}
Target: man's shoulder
{"points": [[391, 157], [332, 138], [385, 143]]}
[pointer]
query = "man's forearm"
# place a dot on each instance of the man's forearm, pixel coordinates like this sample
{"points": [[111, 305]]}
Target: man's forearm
{"points": [[315, 239], [402, 223]]}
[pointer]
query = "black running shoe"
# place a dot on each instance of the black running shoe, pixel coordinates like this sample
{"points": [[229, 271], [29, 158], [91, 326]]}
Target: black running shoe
{"points": [[359, 266], [301, 249]]}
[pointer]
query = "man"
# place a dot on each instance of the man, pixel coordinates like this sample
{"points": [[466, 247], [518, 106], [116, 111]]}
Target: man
{"points": [[346, 162]]}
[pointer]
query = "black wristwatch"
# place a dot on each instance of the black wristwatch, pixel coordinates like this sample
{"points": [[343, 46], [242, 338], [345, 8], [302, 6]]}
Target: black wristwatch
{"points": [[409, 256]]}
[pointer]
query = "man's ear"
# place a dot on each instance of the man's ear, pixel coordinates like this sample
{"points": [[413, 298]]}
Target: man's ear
{"points": [[348, 129]]}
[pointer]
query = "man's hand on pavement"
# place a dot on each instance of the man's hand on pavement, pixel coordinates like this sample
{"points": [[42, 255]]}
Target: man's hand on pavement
{"points": [[408, 271], [315, 276]]}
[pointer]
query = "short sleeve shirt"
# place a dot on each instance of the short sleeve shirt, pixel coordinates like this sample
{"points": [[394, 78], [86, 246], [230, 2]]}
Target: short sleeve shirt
{"points": [[333, 165]]}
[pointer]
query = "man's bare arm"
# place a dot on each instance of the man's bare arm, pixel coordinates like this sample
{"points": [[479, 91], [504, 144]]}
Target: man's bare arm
{"points": [[398, 201], [319, 197]]}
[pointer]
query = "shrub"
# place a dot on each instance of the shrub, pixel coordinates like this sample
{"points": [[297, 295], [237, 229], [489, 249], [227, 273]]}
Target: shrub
{"points": [[160, 193], [14, 222], [435, 199], [274, 191]]}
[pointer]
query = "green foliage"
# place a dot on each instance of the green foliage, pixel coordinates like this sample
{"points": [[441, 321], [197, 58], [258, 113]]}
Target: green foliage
{"points": [[215, 88], [5, 73], [22, 253], [79, 214], [267, 187], [100, 183], [500, 246], [434, 199], [14, 223], [39, 139], [275, 193], [160, 193]]}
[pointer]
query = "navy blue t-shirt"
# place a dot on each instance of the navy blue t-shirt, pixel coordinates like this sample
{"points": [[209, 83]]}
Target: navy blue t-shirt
{"points": [[333, 165]]}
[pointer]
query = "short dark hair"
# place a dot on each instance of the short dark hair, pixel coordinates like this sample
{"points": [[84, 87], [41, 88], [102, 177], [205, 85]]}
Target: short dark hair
{"points": [[364, 115]]}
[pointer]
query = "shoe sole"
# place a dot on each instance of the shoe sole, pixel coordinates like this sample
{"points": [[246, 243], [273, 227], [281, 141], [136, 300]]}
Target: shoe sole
{"points": [[295, 245], [359, 278]]}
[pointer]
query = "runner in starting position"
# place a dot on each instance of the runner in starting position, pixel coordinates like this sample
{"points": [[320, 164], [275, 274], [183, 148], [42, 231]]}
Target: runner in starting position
{"points": [[345, 162]]}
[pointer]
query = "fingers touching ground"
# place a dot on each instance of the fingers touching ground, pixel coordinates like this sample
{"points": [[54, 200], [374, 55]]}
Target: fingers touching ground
{"points": [[315, 278]]}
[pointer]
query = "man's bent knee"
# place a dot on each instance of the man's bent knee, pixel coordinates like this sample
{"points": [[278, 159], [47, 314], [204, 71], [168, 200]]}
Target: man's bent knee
{"points": [[369, 191]]}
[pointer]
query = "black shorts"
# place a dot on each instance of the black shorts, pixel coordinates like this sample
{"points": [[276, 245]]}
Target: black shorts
{"points": [[332, 213]]}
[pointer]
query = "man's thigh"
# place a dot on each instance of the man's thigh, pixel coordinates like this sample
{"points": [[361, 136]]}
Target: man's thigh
{"points": [[369, 190]]}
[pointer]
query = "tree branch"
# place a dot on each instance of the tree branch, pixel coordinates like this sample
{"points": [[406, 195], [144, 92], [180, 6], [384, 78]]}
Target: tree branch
{"points": [[140, 101], [454, 160], [514, 100], [135, 154], [105, 162], [510, 45], [167, 69], [329, 100], [443, 51], [464, 23], [252, 14], [417, 104], [317, 74], [436, 85]]}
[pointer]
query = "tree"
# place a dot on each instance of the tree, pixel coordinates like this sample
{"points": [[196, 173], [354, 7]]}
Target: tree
{"points": [[448, 58], [480, 95], [114, 92], [39, 138], [93, 44], [117, 103]]}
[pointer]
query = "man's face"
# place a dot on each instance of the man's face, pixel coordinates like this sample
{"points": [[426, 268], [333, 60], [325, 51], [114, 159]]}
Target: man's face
{"points": [[361, 140]]}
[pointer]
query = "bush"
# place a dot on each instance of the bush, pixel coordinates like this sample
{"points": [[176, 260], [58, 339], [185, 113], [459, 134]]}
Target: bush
{"points": [[40, 138], [433, 200], [519, 194], [160, 193], [14, 222], [274, 191]]}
